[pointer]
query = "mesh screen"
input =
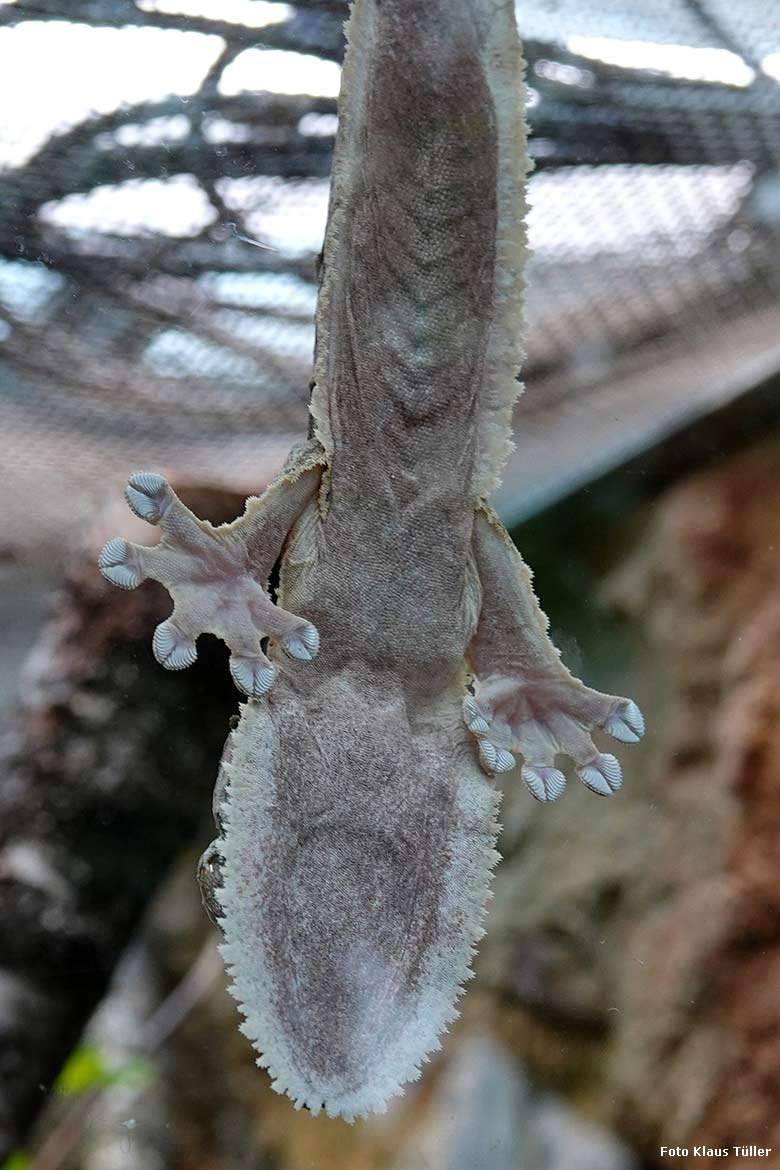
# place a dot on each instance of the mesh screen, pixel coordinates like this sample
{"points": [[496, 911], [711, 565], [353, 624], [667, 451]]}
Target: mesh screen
{"points": [[163, 188]]}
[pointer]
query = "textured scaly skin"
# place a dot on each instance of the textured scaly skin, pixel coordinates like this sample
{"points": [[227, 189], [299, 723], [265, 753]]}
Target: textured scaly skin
{"points": [[357, 829]]}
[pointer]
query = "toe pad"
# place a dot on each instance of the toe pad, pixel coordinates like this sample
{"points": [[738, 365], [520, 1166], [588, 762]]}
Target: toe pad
{"points": [[493, 759], [253, 676], [145, 493], [602, 775], [626, 724], [172, 649], [303, 644], [545, 784], [116, 564]]}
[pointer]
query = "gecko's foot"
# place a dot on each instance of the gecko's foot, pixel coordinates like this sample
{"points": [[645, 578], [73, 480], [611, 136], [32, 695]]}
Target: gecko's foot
{"points": [[207, 572], [546, 719]]}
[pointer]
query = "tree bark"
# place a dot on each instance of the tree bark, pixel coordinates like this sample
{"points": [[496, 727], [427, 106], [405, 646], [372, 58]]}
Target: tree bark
{"points": [[636, 946]]}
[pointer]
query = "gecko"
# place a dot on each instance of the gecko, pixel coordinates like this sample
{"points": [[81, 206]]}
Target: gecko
{"points": [[404, 661]]}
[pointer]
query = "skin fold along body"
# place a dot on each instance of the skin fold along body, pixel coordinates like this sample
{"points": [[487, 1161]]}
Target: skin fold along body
{"points": [[408, 662]]}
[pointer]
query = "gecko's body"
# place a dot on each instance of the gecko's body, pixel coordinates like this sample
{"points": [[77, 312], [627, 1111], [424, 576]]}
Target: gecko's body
{"points": [[357, 830]]}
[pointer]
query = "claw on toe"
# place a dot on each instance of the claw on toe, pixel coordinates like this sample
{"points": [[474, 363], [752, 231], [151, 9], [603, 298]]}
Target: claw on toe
{"points": [[253, 676], [627, 723], [145, 493], [602, 775], [303, 644], [116, 563], [544, 784], [172, 649]]}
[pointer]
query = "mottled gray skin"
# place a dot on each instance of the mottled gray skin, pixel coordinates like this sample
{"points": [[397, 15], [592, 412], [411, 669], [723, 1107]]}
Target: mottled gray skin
{"points": [[357, 829], [410, 307]]}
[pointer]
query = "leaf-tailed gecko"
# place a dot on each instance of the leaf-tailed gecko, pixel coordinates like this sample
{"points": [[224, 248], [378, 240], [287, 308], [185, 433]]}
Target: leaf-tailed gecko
{"points": [[357, 831]]}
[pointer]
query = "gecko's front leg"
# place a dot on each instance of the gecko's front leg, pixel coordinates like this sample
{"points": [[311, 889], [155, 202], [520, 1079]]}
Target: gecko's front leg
{"points": [[217, 576], [525, 699]]}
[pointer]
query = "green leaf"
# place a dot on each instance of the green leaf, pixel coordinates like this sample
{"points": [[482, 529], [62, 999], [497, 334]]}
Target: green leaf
{"points": [[133, 1072], [84, 1069], [18, 1160]]}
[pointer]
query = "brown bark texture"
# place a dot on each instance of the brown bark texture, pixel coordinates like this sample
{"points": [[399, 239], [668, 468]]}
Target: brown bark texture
{"points": [[639, 944]]}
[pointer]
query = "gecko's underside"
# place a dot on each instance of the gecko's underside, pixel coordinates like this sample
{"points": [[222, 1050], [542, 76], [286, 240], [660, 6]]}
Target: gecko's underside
{"points": [[407, 648]]}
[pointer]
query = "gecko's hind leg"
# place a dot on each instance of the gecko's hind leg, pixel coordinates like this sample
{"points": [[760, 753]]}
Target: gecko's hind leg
{"points": [[217, 576], [525, 700]]}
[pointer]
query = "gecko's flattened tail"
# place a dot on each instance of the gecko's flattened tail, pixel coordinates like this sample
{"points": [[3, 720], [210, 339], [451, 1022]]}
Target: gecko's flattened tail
{"points": [[352, 899]]}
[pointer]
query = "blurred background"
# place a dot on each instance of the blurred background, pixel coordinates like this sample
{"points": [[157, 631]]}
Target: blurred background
{"points": [[163, 188]]}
